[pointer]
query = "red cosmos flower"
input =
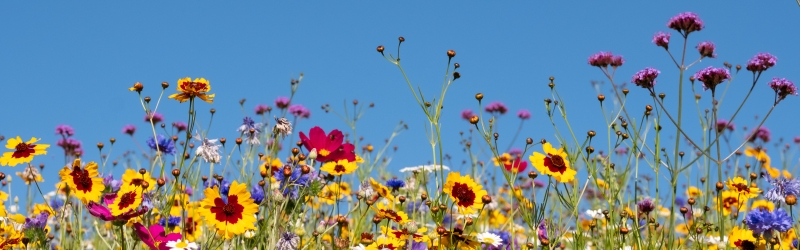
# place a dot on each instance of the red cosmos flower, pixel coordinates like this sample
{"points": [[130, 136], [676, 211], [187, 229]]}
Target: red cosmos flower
{"points": [[329, 147], [104, 213], [155, 237], [516, 166]]}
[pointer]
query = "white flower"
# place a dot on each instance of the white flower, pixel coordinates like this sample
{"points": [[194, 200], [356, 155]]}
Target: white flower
{"points": [[359, 247], [595, 214], [282, 127], [209, 149], [181, 245], [13, 208], [249, 234], [426, 168], [490, 239]]}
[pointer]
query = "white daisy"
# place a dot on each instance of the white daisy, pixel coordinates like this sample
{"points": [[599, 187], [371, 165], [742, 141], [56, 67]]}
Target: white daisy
{"points": [[595, 214], [490, 239], [182, 245], [426, 168]]}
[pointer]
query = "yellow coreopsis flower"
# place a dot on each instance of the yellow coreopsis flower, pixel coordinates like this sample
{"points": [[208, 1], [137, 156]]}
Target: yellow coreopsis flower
{"points": [[759, 154], [385, 243], [464, 191], [554, 163], [385, 211], [741, 238], [740, 186], [339, 167], [763, 204], [694, 192], [382, 190], [188, 89], [84, 183], [503, 159], [133, 180], [730, 200], [233, 217], [23, 151]]}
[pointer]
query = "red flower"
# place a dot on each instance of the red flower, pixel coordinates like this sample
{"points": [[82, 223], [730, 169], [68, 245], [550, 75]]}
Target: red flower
{"points": [[516, 166], [329, 147]]}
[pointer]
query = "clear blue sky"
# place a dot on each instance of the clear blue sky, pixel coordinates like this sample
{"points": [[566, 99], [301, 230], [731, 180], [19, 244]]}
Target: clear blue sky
{"points": [[71, 62]]}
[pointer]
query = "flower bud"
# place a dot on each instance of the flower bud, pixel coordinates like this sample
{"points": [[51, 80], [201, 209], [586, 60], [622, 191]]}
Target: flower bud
{"points": [[137, 87], [474, 119], [380, 49], [486, 199], [176, 172], [451, 53]]}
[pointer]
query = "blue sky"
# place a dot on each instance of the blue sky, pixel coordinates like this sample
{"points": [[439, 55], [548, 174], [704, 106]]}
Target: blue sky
{"points": [[70, 63]]}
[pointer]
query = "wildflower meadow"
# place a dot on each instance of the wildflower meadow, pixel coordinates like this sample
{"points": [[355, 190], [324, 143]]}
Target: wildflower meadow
{"points": [[671, 161]]}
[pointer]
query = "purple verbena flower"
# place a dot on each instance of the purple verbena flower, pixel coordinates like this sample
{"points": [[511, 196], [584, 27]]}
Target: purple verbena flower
{"points": [[299, 111], [761, 133], [782, 87], [180, 126], [155, 117], [129, 129], [64, 130], [605, 59], [496, 107], [524, 114], [661, 39], [685, 23], [466, 114], [761, 62], [723, 124], [282, 102], [262, 108], [646, 78], [711, 77], [646, 205], [706, 49]]}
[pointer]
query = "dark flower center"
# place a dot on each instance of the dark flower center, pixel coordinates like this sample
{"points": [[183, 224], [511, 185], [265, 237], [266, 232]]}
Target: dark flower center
{"points": [[557, 161], [741, 187], [229, 213], [228, 209], [137, 182], [465, 195], [82, 180], [127, 199], [339, 168], [22, 147]]}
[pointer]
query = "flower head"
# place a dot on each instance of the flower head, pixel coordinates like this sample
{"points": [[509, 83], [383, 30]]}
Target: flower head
{"points": [[516, 166], [282, 102], [23, 151], [129, 129], [741, 238], [65, 130], [464, 191], [180, 126], [661, 39], [395, 184], [71, 146], [257, 194], [723, 124], [496, 107], [329, 147], [645, 78], [250, 130], [761, 62], [231, 216], [188, 89], [282, 126], [84, 182], [731, 201], [289, 183], [711, 77], [782, 187], [262, 108], [553, 162], [30, 174], [782, 87], [706, 49], [155, 237], [162, 144], [299, 111], [740, 186], [182, 245], [339, 167], [763, 221], [208, 149], [605, 59], [38, 221], [646, 205], [685, 23], [762, 133], [153, 117], [103, 213], [466, 114], [288, 241], [489, 239], [524, 114]]}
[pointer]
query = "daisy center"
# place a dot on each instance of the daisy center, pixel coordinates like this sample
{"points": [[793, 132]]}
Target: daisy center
{"points": [[557, 161], [229, 209], [465, 195], [22, 147], [127, 199], [181, 244]]}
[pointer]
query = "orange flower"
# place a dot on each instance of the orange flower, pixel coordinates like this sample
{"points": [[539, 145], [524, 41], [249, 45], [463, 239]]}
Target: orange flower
{"points": [[189, 89]]}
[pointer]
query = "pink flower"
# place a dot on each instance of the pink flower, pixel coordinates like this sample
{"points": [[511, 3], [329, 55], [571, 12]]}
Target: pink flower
{"points": [[102, 212], [156, 117], [685, 23], [605, 59], [711, 77], [646, 78], [661, 39], [524, 114], [782, 87], [282, 102], [129, 129], [329, 147], [706, 49], [761, 62], [496, 107], [155, 237], [466, 114], [180, 126], [262, 108], [300, 111]]}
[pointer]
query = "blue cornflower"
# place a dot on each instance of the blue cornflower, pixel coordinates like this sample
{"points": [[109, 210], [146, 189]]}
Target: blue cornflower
{"points": [[418, 206], [165, 145], [762, 220], [171, 222], [795, 243], [782, 187], [419, 245], [109, 181], [225, 187], [289, 183], [257, 194], [395, 184], [247, 125], [38, 221], [56, 203]]}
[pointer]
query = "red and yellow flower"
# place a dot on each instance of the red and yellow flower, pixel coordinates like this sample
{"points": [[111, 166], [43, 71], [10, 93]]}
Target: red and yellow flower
{"points": [[339, 167], [763, 204], [385, 211], [382, 190], [126, 201], [730, 200], [464, 191], [23, 151], [740, 186], [83, 182], [133, 180], [233, 217], [554, 163], [385, 243], [188, 89], [742, 238]]}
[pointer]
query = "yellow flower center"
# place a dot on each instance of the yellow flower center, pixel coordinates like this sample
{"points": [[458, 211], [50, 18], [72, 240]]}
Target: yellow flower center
{"points": [[324, 152], [181, 244]]}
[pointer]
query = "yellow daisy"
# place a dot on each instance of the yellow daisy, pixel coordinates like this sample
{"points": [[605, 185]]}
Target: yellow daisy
{"points": [[464, 191], [339, 167], [23, 151], [188, 89], [740, 186], [554, 163], [233, 217], [84, 182]]}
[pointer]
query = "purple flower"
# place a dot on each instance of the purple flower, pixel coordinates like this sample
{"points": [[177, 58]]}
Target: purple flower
{"points": [[282, 102], [165, 145], [761, 133], [685, 23], [155, 117], [299, 111], [797, 139], [541, 231], [762, 220], [109, 181], [621, 151], [71, 146], [723, 124], [515, 151], [781, 188], [257, 194], [538, 183], [782, 87], [64, 130], [706, 49], [524, 114], [129, 129], [249, 125], [466, 114], [604, 59], [288, 184], [38, 222], [262, 108], [646, 78], [395, 184], [711, 77], [761, 62], [172, 221], [180, 126], [496, 107], [646, 205], [661, 39]]}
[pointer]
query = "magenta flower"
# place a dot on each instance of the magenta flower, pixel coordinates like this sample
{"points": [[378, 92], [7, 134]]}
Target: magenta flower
{"points": [[129, 129], [761, 62], [782, 87], [761, 133], [496, 107], [156, 117], [262, 108], [706, 49], [661, 39], [466, 114], [685, 23], [299, 111], [797, 139], [646, 78], [155, 237], [180, 126], [723, 124], [64, 130], [524, 114], [282, 102], [604, 59], [711, 77], [103, 213]]}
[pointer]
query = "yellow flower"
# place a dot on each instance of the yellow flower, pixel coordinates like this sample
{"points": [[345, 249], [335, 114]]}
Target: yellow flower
{"points": [[333, 192], [39, 208], [694, 192], [741, 238], [464, 191], [763, 204], [682, 229], [730, 200], [759, 154], [601, 184], [83, 182], [773, 172], [503, 159], [10, 237], [339, 167], [23, 151], [555, 163], [385, 211], [233, 217], [271, 166], [385, 243], [30, 174], [133, 180], [382, 190], [188, 89], [126, 201], [740, 186]]}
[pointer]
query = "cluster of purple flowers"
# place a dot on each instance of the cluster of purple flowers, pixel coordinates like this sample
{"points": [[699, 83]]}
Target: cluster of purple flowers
{"points": [[65, 130], [711, 77], [71, 146], [282, 102], [782, 87], [262, 108], [646, 78], [605, 59], [180, 126], [164, 145], [129, 129], [39, 221], [646, 205], [723, 124], [299, 111], [466, 114], [685, 23], [524, 114], [661, 39], [155, 117], [760, 133], [706, 49], [761, 62], [496, 107]]}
